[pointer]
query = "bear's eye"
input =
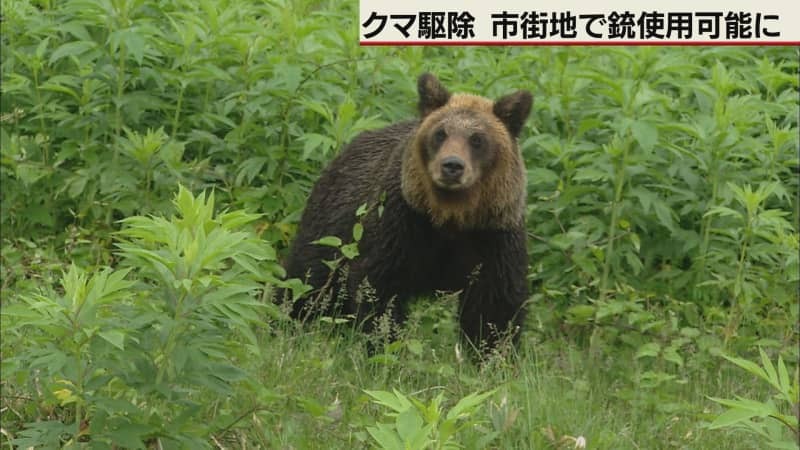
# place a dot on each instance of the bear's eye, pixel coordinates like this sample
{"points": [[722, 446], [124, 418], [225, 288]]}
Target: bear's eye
{"points": [[439, 136], [477, 141]]}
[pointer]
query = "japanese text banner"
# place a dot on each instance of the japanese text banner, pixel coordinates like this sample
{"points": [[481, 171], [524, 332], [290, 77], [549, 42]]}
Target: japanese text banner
{"points": [[613, 22]]}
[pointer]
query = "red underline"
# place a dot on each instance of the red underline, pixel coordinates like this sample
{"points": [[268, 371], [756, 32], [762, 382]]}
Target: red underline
{"points": [[585, 43]]}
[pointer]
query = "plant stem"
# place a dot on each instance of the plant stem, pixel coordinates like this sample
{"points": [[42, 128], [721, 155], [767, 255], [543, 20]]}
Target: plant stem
{"points": [[619, 183], [706, 229], [79, 381], [118, 104], [178, 110], [78, 407], [737, 287], [45, 155]]}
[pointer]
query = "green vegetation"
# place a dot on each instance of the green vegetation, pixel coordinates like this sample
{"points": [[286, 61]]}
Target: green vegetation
{"points": [[155, 158], [742, 411]]}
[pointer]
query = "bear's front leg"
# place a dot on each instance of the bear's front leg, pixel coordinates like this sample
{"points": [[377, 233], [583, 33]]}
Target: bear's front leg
{"points": [[492, 306]]}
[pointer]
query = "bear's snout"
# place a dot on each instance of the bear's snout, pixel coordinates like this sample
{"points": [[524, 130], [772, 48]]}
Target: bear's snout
{"points": [[452, 168]]}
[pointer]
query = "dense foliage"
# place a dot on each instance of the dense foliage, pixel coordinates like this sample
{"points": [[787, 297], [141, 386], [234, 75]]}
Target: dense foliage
{"points": [[662, 214]]}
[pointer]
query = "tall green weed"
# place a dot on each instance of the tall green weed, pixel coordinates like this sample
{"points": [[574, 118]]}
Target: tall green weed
{"points": [[142, 354]]}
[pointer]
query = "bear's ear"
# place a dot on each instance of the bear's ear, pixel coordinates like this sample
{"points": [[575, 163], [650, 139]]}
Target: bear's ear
{"points": [[432, 95], [513, 109]]}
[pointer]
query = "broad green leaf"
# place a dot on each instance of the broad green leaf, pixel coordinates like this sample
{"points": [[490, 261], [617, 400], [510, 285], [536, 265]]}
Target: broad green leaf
{"points": [[51, 86], [386, 438], [671, 355], [42, 48], [297, 287], [350, 251], [664, 214], [539, 175], [467, 404], [645, 133], [651, 349], [114, 337], [415, 347], [590, 174], [30, 173], [396, 401], [71, 49], [732, 417], [634, 238], [723, 211], [408, 423], [329, 241], [760, 408], [421, 439], [645, 196], [228, 372], [581, 313], [130, 435], [358, 231], [236, 219], [314, 142], [769, 369], [785, 383], [134, 42], [634, 262], [748, 366]]}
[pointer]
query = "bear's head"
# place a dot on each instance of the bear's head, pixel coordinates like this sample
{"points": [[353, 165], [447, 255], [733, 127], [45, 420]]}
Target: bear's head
{"points": [[463, 167]]}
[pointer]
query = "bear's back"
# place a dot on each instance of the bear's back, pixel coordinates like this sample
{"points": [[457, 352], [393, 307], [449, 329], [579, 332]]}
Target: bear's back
{"points": [[367, 168]]}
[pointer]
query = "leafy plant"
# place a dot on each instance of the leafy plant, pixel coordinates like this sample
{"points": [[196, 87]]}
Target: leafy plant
{"points": [[766, 419], [767, 246], [418, 425], [77, 338], [114, 365], [350, 250]]}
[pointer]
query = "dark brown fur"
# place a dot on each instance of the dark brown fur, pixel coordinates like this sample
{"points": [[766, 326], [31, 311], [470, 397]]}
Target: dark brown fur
{"points": [[431, 236]]}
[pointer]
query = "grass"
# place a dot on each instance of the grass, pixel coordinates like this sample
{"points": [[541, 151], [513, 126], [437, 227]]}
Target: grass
{"points": [[549, 391]]}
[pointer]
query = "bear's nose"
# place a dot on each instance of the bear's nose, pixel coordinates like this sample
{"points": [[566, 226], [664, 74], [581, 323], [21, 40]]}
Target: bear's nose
{"points": [[452, 168]]}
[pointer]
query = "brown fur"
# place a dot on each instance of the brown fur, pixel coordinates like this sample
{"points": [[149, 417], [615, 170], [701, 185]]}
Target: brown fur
{"points": [[440, 231], [496, 202]]}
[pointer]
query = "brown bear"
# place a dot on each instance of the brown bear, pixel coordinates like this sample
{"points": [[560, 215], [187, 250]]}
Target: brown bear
{"points": [[447, 204]]}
